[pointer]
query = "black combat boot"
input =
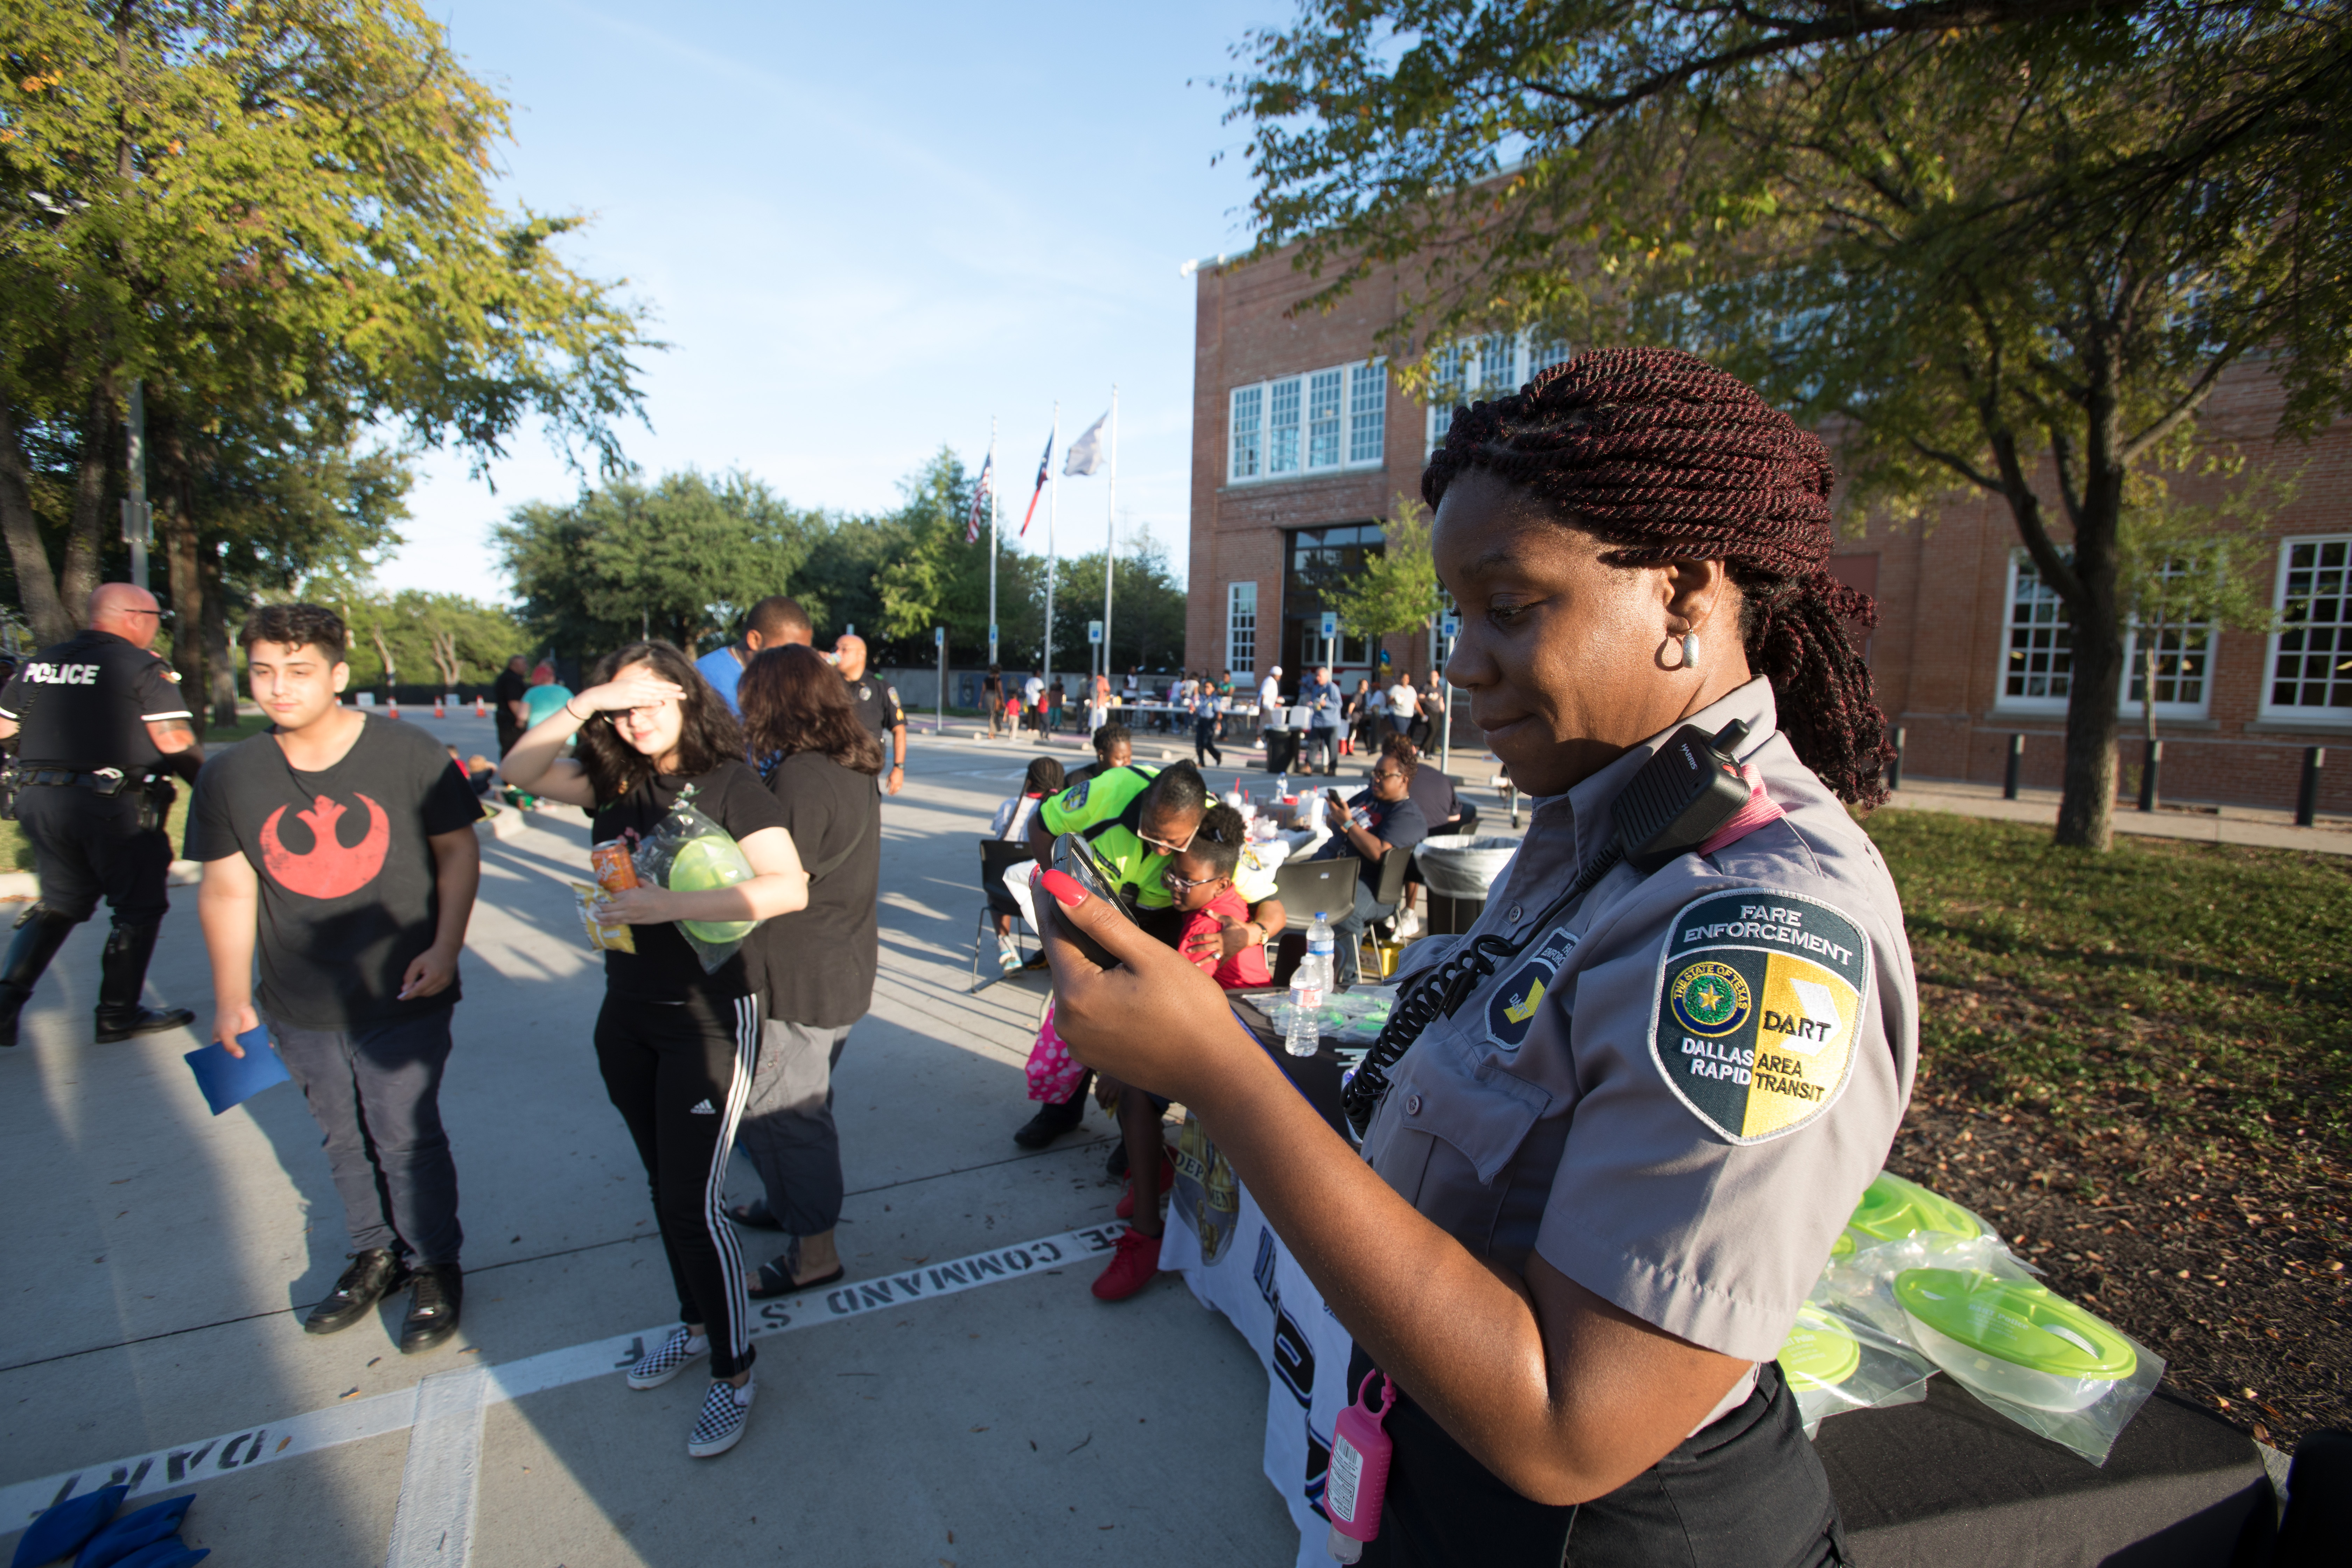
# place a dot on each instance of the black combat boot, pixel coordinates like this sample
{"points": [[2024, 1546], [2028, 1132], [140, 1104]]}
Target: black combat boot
{"points": [[1055, 1116], [121, 977], [39, 933]]}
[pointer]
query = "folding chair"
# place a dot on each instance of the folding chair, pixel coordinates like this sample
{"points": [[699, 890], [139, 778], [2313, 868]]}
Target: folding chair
{"points": [[997, 855]]}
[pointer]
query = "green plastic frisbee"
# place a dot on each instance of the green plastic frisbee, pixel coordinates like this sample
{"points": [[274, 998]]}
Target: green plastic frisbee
{"points": [[2017, 1321], [702, 865], [1820, 1352], [1892, 1209]]}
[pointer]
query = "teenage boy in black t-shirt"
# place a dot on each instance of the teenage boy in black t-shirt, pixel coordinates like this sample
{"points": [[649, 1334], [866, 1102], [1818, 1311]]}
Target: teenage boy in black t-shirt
{"points": [[345, 844]]}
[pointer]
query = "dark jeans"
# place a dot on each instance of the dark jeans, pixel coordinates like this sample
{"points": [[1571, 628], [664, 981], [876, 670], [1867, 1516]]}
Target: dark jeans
{"points": [[678, 1075], [788, 1133], [1350, 927], [1205, 742], [375, 1092], [1747, 1489], [88, 846], [1321, 742]]}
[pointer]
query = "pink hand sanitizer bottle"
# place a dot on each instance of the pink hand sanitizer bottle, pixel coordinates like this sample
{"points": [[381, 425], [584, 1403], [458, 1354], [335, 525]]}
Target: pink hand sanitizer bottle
{"points": [[1359, 1476]]}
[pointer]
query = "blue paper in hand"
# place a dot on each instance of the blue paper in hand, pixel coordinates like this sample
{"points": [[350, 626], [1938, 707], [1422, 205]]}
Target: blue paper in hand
{"points": [[229, 1080]]}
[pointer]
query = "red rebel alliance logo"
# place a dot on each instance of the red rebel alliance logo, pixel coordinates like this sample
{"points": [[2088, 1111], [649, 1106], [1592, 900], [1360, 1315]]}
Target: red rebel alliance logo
{"points": [[330, 868]]}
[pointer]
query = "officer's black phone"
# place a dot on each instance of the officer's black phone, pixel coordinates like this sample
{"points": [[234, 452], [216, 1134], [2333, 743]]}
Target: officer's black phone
{"points": [[1073, 856]]}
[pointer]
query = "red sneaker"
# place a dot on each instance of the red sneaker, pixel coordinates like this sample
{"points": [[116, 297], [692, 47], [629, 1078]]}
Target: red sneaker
{"points": [[1125, 1209], [1132, 1268]]}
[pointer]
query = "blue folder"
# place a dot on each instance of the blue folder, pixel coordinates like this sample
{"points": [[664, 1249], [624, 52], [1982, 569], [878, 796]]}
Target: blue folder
{"points": [[229, 1080]]}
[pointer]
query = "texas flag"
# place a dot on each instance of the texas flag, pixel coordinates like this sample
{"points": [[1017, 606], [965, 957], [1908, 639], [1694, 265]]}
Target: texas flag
{"points": [[1045, 472]]}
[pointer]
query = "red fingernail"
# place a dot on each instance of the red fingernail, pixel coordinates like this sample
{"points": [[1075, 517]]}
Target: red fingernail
{"points": [[1064, 887]]}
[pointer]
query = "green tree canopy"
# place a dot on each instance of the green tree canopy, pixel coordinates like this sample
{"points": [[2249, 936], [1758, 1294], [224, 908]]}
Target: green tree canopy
{"points": [[680, 559], [278, 217], [1397, 591], [2005, 246]]}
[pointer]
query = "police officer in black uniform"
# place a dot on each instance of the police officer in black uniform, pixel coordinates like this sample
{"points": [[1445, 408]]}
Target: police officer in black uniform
{"points": [[101, 726], [876, 702]]}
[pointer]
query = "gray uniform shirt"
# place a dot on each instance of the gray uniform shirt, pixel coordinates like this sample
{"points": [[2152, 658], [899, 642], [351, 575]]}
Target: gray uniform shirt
{"points": [[1677, 1091]]}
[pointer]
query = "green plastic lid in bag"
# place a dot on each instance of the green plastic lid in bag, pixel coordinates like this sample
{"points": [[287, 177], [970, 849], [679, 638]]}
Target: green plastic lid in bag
{"points": [[702, 865], [2013, 1338], [1892, 1209], [1820, 1352]]}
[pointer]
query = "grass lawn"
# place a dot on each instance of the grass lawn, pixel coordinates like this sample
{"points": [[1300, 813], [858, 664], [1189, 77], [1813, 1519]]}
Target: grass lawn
{"points": [[2137, 1065]]}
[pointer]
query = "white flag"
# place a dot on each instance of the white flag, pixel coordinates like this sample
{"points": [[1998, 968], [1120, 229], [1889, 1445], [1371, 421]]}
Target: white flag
{"points": [[1086, 454]]}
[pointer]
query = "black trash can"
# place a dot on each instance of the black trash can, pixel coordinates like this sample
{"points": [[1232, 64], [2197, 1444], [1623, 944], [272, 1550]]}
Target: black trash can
{"points": [[1282, 750]]}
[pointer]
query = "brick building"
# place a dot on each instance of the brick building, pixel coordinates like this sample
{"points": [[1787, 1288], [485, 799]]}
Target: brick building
{"points": [[1301, 442]]}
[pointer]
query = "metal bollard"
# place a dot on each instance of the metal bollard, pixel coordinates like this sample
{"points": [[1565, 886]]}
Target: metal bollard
{"points": [[2016, 765], [2307, 799], [1894, 771], [2149, 765]]}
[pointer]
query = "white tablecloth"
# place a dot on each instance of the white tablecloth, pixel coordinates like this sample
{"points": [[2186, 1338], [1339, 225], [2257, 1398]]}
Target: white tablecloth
{"points": [[1237, 1265]]}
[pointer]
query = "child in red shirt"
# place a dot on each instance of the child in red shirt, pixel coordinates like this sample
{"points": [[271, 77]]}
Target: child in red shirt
{"points": [[1201, 884]]}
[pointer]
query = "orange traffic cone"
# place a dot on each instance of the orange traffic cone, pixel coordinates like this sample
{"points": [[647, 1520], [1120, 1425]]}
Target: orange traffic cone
{"points": [[437, 713], [477, 705], [393, 707]]}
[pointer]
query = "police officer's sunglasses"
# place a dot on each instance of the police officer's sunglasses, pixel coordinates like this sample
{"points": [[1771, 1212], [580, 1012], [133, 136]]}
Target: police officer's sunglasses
{"points": [[1164, 846]]}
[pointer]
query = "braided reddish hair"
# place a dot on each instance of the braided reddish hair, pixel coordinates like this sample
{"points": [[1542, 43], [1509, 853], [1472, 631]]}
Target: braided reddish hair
{"points": [[1658, 452]]}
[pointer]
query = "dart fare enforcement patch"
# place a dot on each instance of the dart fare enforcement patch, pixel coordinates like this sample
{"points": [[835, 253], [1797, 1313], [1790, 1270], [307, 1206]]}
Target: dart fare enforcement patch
{"points": [[1760, 1003]]}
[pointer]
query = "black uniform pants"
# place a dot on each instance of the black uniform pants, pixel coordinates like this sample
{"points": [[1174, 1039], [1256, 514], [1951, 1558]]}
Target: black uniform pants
{"points": [[1205, 742], [375, 1092], [1747, 1490], [88, 846], [679, 1074]]}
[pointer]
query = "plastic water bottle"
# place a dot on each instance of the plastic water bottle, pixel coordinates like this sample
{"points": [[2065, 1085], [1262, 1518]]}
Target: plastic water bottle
{"points": [[1282, 785], [1309, 985]]}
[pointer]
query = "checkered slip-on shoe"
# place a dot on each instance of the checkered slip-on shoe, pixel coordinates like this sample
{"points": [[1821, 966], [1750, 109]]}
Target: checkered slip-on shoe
{"points": [[725, 1411], [668, 1359]]}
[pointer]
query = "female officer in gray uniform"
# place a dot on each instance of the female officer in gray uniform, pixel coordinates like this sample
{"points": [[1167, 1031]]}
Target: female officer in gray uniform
{"points": [[1596, 1190]]}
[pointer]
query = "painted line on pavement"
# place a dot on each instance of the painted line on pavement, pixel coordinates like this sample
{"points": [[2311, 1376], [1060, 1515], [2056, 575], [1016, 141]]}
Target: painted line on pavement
{"points": [[236, 1453], [433, 1526]]}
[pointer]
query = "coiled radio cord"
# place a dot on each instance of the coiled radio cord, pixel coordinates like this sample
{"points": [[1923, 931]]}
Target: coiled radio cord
{"points": [[1442, 994]]}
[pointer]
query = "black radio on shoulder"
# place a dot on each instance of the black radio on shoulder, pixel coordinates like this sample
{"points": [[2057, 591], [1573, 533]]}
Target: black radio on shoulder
{"points": [[1682, 797]]}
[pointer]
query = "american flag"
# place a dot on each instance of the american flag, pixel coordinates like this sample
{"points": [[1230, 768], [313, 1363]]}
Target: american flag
{"points": [[980, 500], [1044, 471]]}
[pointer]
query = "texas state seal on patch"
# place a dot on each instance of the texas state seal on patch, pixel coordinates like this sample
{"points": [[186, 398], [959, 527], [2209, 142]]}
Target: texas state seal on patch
{"points": [[1759, 1003]]}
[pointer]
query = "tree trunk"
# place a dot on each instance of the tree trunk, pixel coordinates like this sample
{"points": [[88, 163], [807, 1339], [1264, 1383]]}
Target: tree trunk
{"points": [[36, 584], [2086, 812], [78, 579], [176, 530], [220, 665]]}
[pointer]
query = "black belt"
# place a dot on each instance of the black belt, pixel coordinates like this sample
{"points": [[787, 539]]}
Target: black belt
{"points": [[106, 784]]}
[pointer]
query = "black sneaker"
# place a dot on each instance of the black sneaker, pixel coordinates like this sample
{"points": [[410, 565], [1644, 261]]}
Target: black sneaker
{"points": [[375, 1274], [1051, 1122], [436, 1291]]}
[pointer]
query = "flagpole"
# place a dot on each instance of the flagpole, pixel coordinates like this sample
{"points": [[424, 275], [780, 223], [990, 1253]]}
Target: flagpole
{"points": [[1053, 508], [1111, 533], [992, 488]]}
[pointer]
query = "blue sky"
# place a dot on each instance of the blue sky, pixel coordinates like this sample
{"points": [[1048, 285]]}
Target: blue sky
{"points": [[865, 229]]}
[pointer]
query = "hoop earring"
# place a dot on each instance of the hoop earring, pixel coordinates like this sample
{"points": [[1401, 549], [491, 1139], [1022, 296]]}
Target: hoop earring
{"points": [[1690, 651]]}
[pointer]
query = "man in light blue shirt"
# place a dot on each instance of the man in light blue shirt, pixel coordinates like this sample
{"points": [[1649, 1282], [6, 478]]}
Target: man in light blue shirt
{"points": [[1323, 701], [772, 623]]}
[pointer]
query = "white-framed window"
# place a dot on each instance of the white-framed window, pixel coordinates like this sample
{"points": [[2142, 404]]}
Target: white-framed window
{"points": [[2037, 655], [2037, 668], [1368, 412], [2310, 673], [1248, 433], [1493, 366], [1318, 421], [1240, 627], [1282, 426]]}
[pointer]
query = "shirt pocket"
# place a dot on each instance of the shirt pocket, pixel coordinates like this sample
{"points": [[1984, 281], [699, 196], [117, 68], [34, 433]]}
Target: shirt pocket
{"points": [[1475, 1121]]}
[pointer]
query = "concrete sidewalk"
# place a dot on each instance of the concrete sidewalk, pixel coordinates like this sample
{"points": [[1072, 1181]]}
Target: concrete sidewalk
{"points": [[2206, 824], [163, 1258]]}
